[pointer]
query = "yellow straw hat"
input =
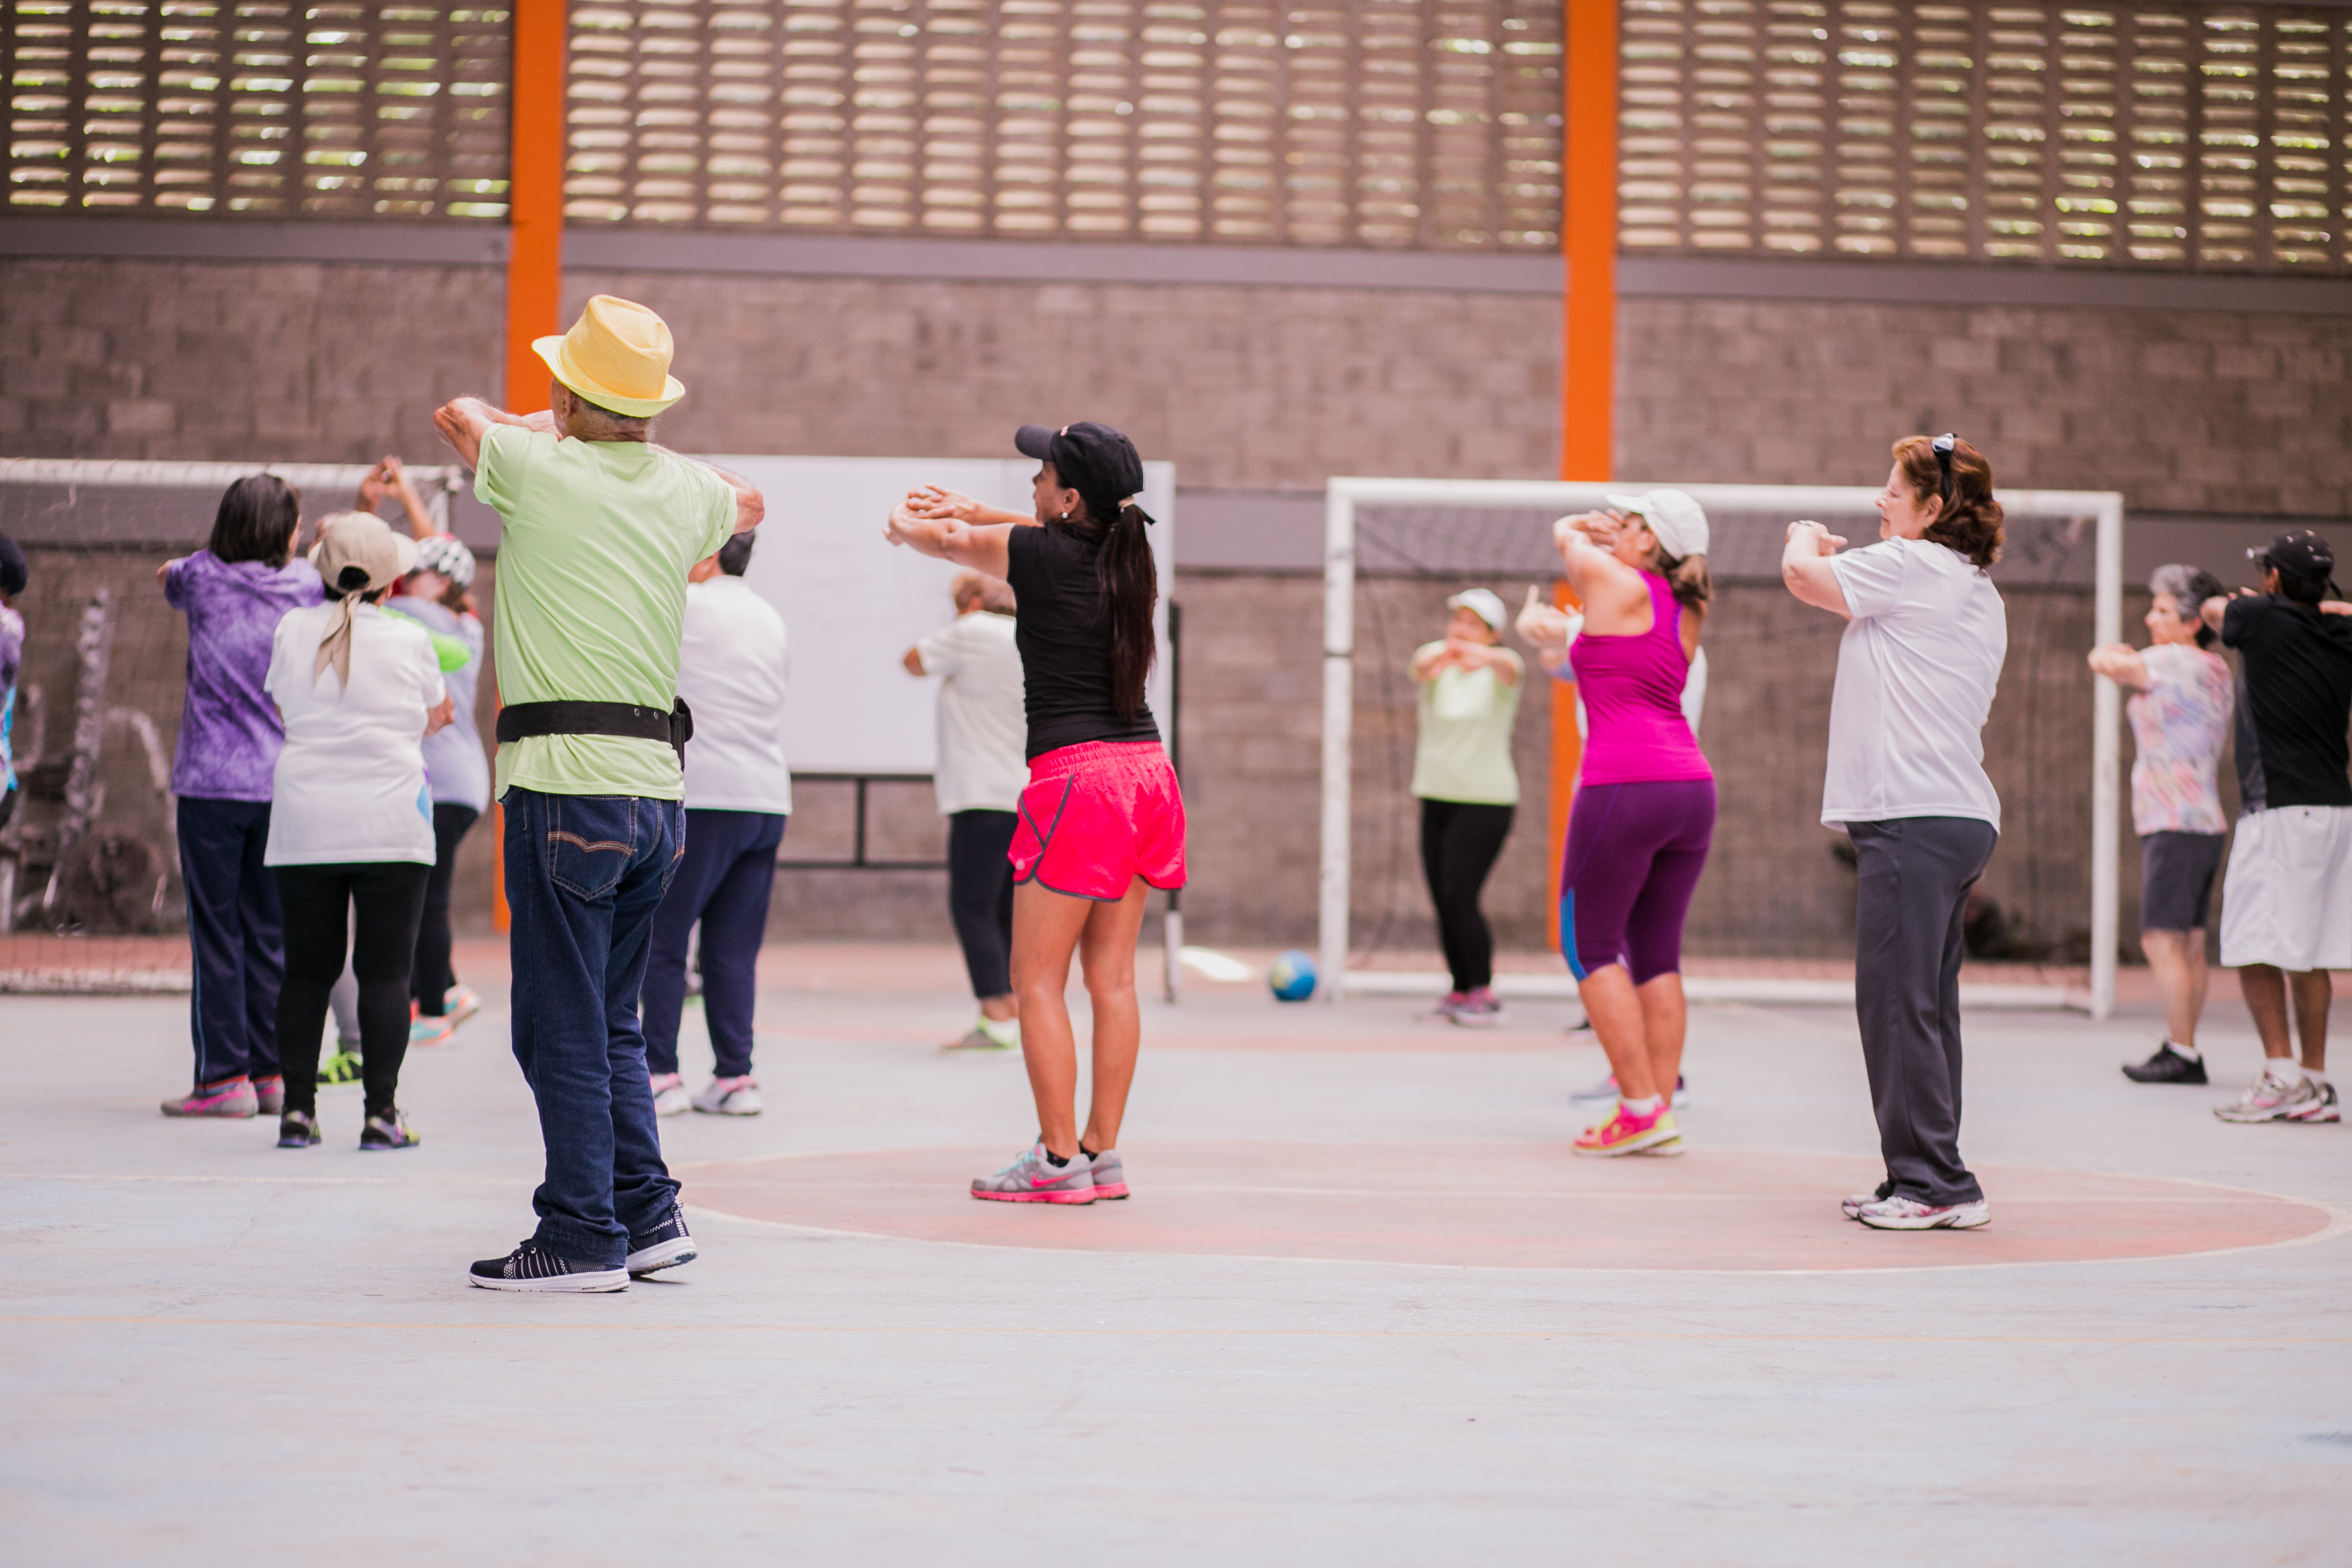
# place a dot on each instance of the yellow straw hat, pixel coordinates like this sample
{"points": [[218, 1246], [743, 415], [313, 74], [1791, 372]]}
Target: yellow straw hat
{"points": [[616, 355]]}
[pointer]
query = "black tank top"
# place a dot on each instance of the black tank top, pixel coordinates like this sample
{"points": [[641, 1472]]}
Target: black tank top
{"points": [[1065, 641]]}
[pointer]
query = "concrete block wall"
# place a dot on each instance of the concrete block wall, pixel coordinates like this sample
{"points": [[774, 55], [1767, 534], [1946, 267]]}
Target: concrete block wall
{"points": [[2223, 412]]}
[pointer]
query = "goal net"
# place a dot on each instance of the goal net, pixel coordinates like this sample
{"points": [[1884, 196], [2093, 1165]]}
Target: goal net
{"points": [[1773, 917], [90, 898]]}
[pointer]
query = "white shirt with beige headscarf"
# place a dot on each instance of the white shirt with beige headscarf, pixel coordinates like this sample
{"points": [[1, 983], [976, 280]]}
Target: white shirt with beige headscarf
{"points": [[350, 784]]}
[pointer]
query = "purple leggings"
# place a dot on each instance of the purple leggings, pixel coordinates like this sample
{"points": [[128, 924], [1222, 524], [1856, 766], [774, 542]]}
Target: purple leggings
{"points": [[1634, 852]]}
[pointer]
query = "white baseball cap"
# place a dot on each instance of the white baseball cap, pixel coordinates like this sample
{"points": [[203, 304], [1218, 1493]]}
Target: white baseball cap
{"points": [[1480, 602], [1678, 521]]}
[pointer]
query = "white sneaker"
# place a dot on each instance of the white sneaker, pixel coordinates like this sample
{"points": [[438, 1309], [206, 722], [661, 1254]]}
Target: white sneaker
{"points": [[1899, 1213], [731, 1097], [670, 1098]]}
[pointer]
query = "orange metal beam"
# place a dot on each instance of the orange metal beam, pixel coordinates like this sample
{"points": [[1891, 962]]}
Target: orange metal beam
{"points": [[535, 192], [1589, 242], [534, 242], [1587, 369]]}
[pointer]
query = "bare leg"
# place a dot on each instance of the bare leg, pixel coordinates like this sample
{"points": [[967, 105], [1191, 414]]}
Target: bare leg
{"points": [[1045, 930], [1665, 1018], [1619, 1017], [1107, 952], [2177, 961], [2313, 991], [2263, 986], [1001, 1009]]}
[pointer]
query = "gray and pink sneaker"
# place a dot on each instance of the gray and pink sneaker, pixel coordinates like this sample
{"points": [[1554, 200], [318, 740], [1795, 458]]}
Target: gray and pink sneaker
{"points": [[1035, 1179], [1110, 1176], [233, 1097]]}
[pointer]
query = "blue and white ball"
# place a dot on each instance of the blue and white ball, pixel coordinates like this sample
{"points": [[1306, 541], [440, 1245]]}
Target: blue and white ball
{"points": [[1292, 976]]}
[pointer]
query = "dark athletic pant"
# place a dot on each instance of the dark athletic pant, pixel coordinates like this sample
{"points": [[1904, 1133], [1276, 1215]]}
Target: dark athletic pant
{"points": [[433, 978], [723, 880], [1459, 843], [980, 895], [389, 896], [234, 936], [1915, 874]]}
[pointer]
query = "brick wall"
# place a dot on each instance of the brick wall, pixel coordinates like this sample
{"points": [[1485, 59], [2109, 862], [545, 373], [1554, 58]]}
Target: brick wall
{"points": [[2182, 411]]}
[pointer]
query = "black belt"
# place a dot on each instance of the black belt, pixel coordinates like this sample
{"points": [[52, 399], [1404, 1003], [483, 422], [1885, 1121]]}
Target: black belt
{"points": [[521, 721]]}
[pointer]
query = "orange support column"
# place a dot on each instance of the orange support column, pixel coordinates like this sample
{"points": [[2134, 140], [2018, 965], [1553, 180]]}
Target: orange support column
{"points": [[534, 242], [1587, 369]]}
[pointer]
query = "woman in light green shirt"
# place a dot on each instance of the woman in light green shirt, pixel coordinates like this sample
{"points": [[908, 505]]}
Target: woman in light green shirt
{"points": [[1462, 773]]}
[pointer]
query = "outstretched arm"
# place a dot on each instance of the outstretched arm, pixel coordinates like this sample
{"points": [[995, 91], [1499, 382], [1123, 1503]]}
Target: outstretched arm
{"points": [[751, 506], [391, 475], [1805, 568], [462, 420], [952, 506], [982, 549], [2121, 664]]}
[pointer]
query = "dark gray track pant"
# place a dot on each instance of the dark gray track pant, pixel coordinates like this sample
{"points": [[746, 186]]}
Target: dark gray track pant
{"points": [[1915, 876]]}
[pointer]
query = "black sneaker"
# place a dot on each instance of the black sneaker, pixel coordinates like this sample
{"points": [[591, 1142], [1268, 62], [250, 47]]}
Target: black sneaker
{"points": [[389, 1131], [666, 1245], [531, 1267], [2167, 1066], [298, 1130]]}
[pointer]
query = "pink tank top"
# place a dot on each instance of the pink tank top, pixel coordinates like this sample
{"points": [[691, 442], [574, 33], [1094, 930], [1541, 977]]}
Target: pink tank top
{"points": [[1632, 691]]}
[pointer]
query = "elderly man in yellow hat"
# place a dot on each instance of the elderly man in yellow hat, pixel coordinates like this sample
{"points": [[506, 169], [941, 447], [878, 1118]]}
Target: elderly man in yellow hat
{"points": [[602, 527]]}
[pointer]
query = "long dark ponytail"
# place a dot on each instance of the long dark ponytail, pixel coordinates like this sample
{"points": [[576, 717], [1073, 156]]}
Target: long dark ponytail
{"points": [[1103, 467]]}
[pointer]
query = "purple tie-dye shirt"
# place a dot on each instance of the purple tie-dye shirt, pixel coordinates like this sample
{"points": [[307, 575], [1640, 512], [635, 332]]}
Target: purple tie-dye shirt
{"points": [[229, 732]]}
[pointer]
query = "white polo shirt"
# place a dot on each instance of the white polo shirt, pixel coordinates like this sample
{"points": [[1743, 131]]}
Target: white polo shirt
{"points": [[1916, 672], [732, 665], [350, 785], [983, 725]]}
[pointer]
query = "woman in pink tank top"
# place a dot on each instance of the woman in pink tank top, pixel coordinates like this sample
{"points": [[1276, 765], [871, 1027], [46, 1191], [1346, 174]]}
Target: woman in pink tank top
{"points": [[1644, 811]]}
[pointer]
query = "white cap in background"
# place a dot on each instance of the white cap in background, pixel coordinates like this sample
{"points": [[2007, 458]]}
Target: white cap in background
{"points": [[1481, 602], [1678, 521]]}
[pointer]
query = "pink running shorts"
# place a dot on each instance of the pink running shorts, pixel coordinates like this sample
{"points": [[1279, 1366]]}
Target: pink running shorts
{"points": [[1097, 815]]}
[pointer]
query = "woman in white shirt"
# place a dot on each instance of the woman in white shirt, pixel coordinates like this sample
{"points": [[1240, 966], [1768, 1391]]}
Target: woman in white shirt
{"points": [[351, 817], [983, 731], [1917, 671]]}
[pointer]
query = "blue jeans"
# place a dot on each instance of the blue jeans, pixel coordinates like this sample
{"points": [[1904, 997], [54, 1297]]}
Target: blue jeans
{"points": [[723, 881], [234, 936], [584, 874]]}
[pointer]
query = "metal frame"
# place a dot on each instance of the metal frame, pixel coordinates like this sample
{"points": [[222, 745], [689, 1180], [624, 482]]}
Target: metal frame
{"points": [[1342, 497], [435, 483], [858, 860]]}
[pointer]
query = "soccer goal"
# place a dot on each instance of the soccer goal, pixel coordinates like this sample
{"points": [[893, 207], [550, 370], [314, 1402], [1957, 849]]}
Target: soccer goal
{"points": [[1773, 918], [89, 862]]}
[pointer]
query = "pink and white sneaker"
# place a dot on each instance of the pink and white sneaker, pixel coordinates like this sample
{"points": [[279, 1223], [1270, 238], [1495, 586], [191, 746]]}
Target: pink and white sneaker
{"points": [[731, 1096], [670, 1098], [235, 1097], [1899, 1213], [1034, 1179]]}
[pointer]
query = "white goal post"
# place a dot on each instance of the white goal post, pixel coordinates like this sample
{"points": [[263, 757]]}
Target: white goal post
{"points": [[1343, 496]]}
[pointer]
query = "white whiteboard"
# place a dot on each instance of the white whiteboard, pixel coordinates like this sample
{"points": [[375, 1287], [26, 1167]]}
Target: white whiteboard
{"points": [[853, 603]]}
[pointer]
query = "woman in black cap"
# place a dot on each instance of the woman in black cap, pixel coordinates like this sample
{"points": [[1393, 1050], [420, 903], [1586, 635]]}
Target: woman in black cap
{"points": [[1102, 821]]}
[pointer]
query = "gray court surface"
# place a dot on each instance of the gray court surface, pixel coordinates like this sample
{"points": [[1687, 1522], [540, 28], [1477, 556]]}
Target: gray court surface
{"points": [[214, 1352]]}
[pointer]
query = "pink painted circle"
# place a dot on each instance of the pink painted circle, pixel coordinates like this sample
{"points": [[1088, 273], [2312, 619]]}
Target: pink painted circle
{"points": [[1513, 1207]]}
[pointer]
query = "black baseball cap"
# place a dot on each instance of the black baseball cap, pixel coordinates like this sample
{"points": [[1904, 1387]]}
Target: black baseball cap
{"points": [[2298, 552], [1093, 459]]}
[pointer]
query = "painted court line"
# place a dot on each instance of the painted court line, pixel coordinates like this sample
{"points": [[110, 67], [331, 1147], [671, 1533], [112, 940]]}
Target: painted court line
{"points": [[968, 1331]]}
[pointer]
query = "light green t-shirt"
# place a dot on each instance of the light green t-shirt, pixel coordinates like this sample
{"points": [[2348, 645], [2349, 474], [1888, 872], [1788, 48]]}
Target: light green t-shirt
{"points": [[591, 595], [1463, 753]]}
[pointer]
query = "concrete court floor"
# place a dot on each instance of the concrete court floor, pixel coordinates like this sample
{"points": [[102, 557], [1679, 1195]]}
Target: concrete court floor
{"points": [[214, 1352]]}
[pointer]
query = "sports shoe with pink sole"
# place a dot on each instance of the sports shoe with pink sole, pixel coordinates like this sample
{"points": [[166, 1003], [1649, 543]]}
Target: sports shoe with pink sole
{"points": [[234, 1098], [1034, 1179], [1629, 1133], [1110, 1176]]}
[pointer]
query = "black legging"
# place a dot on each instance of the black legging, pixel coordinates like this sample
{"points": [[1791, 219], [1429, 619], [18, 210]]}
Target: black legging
{"points": [[431, 984], [1459, 842], [318, 901], [980, 896]]}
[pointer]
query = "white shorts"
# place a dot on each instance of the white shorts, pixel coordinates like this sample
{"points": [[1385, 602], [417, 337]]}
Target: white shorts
{"points": [[2287, 899]]}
